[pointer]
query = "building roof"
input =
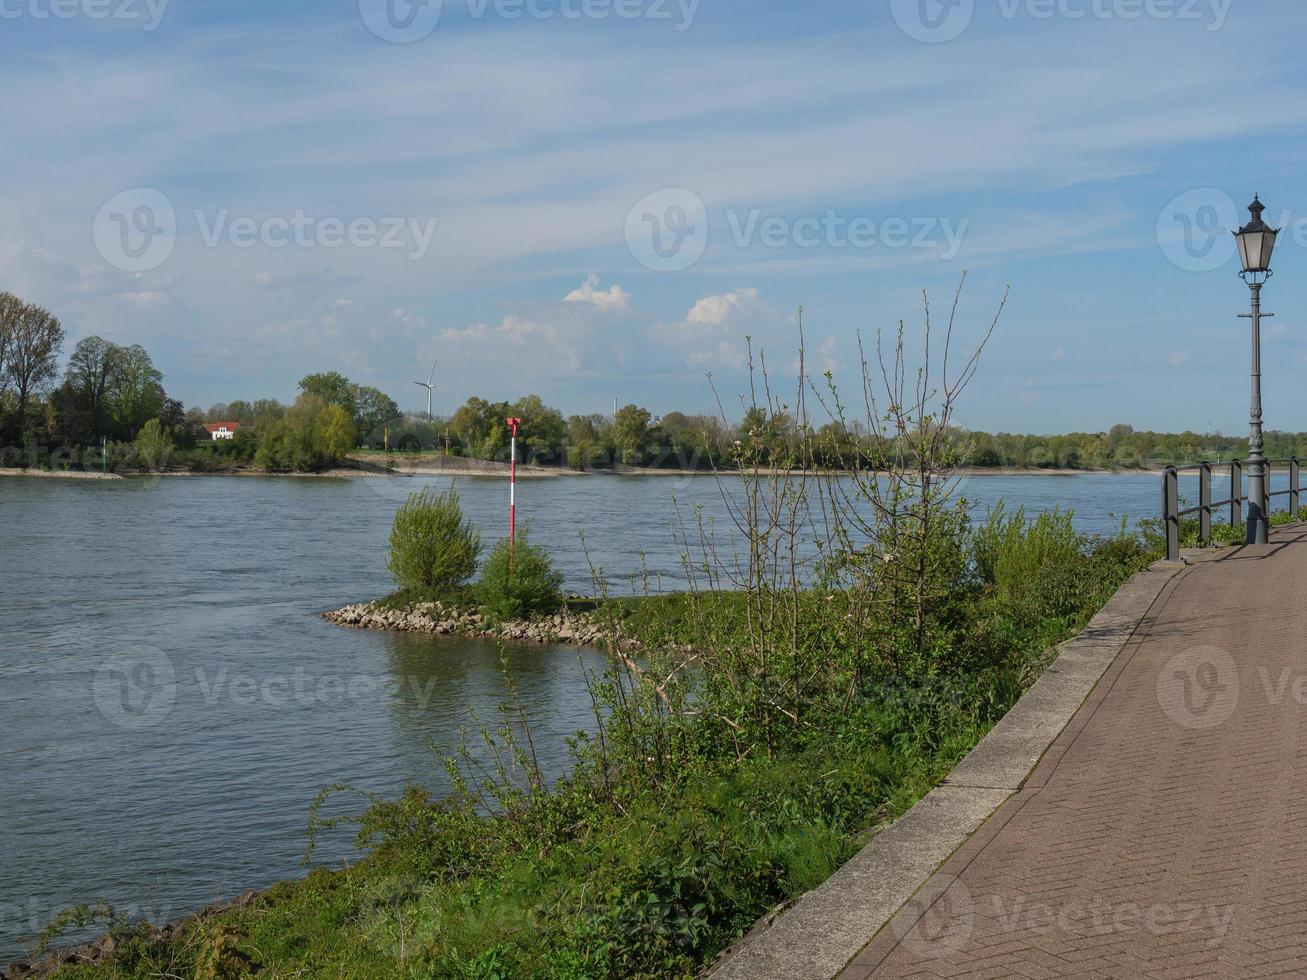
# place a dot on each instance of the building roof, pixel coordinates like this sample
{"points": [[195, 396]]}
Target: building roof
{"points": [[215, 426]]}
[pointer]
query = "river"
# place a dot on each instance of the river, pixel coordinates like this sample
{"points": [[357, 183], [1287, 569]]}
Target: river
{"points": [[171, 702]]}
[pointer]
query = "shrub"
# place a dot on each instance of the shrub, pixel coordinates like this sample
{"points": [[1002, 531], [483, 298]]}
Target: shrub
{"points": [[433, 550], [1026, 562], [529, 589]]}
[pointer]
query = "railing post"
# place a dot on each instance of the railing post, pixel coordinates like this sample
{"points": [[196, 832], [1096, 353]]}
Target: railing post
{"points": [[1294, 486], [1171, 512], [1236, 493], [1205, 505]]}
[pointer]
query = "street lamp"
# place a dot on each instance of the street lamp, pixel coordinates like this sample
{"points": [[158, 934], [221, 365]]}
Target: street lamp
{"points": [[1256, 242]]}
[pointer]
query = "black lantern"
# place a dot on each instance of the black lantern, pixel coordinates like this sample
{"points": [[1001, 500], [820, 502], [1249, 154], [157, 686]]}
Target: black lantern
{"points": [[1256, 241]]}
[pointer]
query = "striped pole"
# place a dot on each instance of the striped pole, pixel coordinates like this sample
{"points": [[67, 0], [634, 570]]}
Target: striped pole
{"points": [[512, 491]]}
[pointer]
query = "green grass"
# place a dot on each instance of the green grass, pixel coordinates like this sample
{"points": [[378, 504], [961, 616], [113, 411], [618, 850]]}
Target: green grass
{"points": [[677, 829]]}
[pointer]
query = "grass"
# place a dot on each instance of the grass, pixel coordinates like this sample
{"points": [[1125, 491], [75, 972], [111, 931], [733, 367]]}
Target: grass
{"points": [[692, 811]]}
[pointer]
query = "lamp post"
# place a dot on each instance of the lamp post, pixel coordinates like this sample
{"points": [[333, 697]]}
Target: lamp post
{"points": [[1256, 242]]}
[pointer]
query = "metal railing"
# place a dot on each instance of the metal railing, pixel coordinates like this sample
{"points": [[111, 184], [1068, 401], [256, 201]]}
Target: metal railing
{"points": [[1172, 514]]}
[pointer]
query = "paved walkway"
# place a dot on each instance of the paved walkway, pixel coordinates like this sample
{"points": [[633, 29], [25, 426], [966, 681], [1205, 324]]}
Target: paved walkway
{"points": [[1164, 833]]}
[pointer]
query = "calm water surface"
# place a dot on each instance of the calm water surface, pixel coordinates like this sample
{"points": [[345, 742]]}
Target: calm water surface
{"points": [[171, 702]]}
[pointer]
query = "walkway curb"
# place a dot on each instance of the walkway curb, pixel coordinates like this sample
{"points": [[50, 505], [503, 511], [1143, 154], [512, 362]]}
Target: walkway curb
{"points": [[827, 927]]}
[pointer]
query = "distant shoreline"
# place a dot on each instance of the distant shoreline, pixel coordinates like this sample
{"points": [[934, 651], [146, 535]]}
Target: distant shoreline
{"points": [[60, 474], [481, 469]]}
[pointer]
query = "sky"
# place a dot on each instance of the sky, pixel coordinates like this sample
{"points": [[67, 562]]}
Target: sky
{"points": [[599, 199]]}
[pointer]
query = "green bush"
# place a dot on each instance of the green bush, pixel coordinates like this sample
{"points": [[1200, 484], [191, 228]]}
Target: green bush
{"points": [[433, 550], [1028, 562], [529, 589]]}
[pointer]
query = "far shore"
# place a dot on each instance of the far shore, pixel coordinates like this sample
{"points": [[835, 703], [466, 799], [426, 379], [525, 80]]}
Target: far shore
{"points": [[60, 474], [480, 469]]}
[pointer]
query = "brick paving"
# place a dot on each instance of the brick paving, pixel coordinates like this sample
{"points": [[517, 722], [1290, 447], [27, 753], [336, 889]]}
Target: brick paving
{"points": [[1164, 833]]}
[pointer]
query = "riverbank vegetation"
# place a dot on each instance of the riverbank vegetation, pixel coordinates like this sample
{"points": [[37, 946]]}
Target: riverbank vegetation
{"points": [[828, 665], [95, 417]]}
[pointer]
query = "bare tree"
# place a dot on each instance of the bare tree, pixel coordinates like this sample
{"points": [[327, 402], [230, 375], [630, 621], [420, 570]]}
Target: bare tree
{"points": [[32, 357]]}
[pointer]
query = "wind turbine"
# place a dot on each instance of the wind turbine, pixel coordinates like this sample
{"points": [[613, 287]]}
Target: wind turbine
{"points": [[429, 386]]}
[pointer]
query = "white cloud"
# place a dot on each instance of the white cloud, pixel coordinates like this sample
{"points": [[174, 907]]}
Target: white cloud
{"points": [[717, 310], [613, 298], [716, 330], [410, 321]]}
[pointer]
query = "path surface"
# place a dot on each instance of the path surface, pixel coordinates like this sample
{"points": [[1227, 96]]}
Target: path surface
{"points": [[1164, 833]]}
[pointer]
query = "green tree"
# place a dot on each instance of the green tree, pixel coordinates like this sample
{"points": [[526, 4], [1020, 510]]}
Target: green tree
{"points": [[433, 549], [542, 433], [88, 377], [154, 444], [134, 389], [584, 441], [333, 388], [631, 434], [480, 427], [333, 434], [33, 339], [372, 410]]}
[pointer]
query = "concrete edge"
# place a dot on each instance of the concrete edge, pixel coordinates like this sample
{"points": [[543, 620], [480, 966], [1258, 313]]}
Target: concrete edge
{"points": [[827, 927]]}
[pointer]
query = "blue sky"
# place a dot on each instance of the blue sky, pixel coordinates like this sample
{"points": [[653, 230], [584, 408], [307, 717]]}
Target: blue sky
{"points": [[485, 186]]}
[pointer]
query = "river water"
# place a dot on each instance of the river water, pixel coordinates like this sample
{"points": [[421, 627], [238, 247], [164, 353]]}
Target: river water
{"points": [[171, 702]]}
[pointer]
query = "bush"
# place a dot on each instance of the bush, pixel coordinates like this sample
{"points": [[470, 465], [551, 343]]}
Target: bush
{"points": [[433, 550], [531, 588], [1028, 562]]}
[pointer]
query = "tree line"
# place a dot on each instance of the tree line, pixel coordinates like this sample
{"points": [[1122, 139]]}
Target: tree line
{"points": [[112, 396], [634, 436]]}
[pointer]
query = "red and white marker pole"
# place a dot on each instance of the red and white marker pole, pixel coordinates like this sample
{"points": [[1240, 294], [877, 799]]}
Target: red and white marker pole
{"points": [[512, 490]]}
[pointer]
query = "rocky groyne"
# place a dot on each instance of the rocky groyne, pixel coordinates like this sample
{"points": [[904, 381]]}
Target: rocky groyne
{"points": [[580, 629]]}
